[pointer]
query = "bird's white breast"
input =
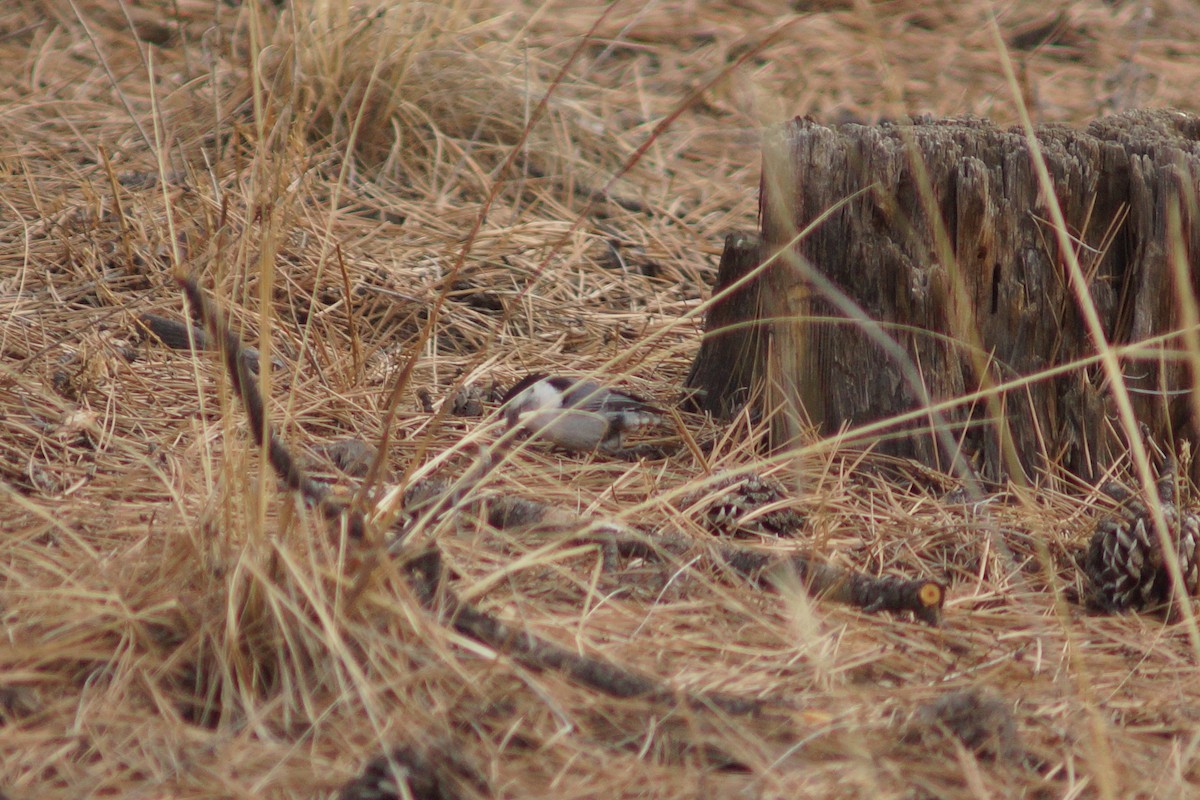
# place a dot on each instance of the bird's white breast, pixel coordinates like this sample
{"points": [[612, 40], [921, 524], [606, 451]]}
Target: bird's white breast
{"points": [[540, 397]]}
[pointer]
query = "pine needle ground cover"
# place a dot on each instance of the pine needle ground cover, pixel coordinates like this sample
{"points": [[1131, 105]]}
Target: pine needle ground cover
{"points": [[406, 208]]}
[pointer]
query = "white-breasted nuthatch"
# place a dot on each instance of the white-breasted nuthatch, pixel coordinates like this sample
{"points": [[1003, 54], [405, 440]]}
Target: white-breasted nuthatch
{"points": [[575, 414]]}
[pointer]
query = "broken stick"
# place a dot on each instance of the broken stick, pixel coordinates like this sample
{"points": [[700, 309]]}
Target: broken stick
{"points": [[923, 598]]}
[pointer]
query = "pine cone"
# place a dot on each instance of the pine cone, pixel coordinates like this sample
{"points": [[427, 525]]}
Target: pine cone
{"points": [[1125, 567], [733, 505], [379, 779]]}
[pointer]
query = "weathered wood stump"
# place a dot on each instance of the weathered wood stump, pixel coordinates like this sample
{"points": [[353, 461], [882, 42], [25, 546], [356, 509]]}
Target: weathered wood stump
{"points": [[916, 264]]}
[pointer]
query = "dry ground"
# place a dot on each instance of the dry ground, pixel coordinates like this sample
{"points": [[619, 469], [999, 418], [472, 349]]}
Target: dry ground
{"points": [[380, 183]]}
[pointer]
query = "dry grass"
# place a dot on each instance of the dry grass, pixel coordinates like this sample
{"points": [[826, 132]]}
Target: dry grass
{"points": [[372, 185]]}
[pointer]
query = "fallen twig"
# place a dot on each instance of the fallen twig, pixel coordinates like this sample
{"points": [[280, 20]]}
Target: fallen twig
{"points": [[924, 598], [425, 573], [179, 335], [285, 465]]}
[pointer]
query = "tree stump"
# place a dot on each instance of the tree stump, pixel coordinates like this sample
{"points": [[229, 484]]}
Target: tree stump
{"points": [[932, 274]]}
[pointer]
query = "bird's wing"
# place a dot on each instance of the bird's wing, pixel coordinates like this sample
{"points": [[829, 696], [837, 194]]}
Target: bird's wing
{"points": [[591, 396]]}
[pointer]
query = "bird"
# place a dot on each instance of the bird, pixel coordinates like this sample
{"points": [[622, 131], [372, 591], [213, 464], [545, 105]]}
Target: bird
{"points": [[1125, 565], [579, 415]]}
